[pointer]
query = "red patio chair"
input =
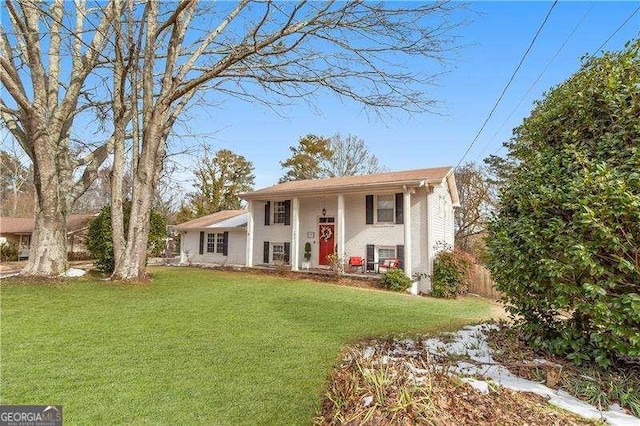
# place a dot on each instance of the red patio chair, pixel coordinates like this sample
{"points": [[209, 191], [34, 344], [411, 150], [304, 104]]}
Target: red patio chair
{"points": [[356, 263]]}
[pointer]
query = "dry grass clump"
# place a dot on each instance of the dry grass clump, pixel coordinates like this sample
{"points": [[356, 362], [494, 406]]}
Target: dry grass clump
{"points": [[599, 387], [373, 387]]}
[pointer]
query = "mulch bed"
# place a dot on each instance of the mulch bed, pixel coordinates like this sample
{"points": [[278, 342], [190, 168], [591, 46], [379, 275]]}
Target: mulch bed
{"points": [[318, 276], [366, 390], [599, 387]]}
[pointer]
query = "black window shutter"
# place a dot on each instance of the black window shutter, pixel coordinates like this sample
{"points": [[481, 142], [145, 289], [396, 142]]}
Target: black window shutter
{"points": [[287, 251], [400, 256], [201, 242], [267, 213], [369, 207], [225, 243], [371, 256], [265, 255], [287, 212], [399, 208]]}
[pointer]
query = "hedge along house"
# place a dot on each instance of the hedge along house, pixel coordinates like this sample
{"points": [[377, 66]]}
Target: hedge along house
{"points": [[218, 239], [400, 215]]}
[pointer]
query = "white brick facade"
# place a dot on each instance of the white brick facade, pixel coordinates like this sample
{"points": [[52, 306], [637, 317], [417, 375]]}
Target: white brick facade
{"points": [[429, 205]]}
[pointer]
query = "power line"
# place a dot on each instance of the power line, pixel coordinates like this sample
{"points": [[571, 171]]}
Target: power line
{"points": [[578, 25], [475, 139], [596, 51], [616, 31]]}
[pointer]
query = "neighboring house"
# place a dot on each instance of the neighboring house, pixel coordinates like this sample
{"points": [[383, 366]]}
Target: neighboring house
{"points": [[399, 215], [219, 238], [18, 230]]}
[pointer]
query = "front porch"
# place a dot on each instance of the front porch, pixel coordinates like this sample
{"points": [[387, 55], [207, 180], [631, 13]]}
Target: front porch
{"points": [[321, 271], [373, 228], [366, 280]]}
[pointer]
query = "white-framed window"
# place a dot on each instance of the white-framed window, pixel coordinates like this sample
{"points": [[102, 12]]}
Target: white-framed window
{"points": [[219, 242], [215, 242], [386, 253], [211, 243], [278, 252], [279, 212], [385, 208]]}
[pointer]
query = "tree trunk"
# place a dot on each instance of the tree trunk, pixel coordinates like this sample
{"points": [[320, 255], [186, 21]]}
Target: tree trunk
{"points": [[48, 250], [132, 265]]}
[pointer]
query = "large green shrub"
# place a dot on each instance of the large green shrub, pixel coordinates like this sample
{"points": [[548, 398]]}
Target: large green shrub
{"points": [[395, 279], [100, 241], [453, 271], [565, 245], [8, 252]]}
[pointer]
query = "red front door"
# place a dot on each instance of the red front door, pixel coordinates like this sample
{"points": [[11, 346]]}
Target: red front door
{"points": [[326, 238]]}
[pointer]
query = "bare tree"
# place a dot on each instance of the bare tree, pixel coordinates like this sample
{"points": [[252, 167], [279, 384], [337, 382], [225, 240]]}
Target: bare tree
{"points": [[169, 192], [16, 182], [350, 156], [476, 204], [317, 157], [266, 52], [47, 52], [98, 195], [165, 54]]}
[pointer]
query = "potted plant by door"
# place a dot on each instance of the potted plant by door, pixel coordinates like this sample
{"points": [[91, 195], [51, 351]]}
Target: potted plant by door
{"points": [[307, 256]]}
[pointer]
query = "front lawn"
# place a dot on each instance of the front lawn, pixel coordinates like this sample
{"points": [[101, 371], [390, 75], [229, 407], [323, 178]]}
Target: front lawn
{"points": [[195, 346]]}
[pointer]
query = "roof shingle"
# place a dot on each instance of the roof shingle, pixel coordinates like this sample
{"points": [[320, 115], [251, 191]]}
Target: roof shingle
{"points": [[204, 221], [24, 225], [432, 175]]}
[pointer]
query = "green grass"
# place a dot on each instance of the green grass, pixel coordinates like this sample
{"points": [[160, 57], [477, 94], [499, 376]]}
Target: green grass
{"points": [[195, 346]]}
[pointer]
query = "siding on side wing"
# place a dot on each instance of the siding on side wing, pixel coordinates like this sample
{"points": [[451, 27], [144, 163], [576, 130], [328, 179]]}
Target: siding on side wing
{"points": [[442, 215], [236, 247]]}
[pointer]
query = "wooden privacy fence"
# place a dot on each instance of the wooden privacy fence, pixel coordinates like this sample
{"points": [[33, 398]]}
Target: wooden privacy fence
{"points": [[483, 285]]}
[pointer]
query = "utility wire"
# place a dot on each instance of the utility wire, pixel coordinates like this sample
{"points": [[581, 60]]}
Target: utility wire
{"points": [[615, 32], [555, 56], [475, 139], [604, 43]]}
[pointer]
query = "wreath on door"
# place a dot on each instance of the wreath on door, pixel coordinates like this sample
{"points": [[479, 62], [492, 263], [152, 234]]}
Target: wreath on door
{"points": [[326, 233]]}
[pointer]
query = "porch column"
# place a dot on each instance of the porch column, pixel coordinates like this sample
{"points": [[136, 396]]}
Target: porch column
{"points": [[341, 227], [183, 254], [249, 248], [407, 232], [295, 232]]}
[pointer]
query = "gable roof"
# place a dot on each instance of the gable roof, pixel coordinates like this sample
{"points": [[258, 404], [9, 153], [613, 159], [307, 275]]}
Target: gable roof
{"points": [[221, 219], [24, 225], [354, 183]]}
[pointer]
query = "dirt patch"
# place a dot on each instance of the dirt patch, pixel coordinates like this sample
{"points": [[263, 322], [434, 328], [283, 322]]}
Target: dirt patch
{"points": [[12, 266], [18, 265]]}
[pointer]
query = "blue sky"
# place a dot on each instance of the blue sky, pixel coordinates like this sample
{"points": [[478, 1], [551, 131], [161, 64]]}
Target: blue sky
{"points": [[494, 43]]}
